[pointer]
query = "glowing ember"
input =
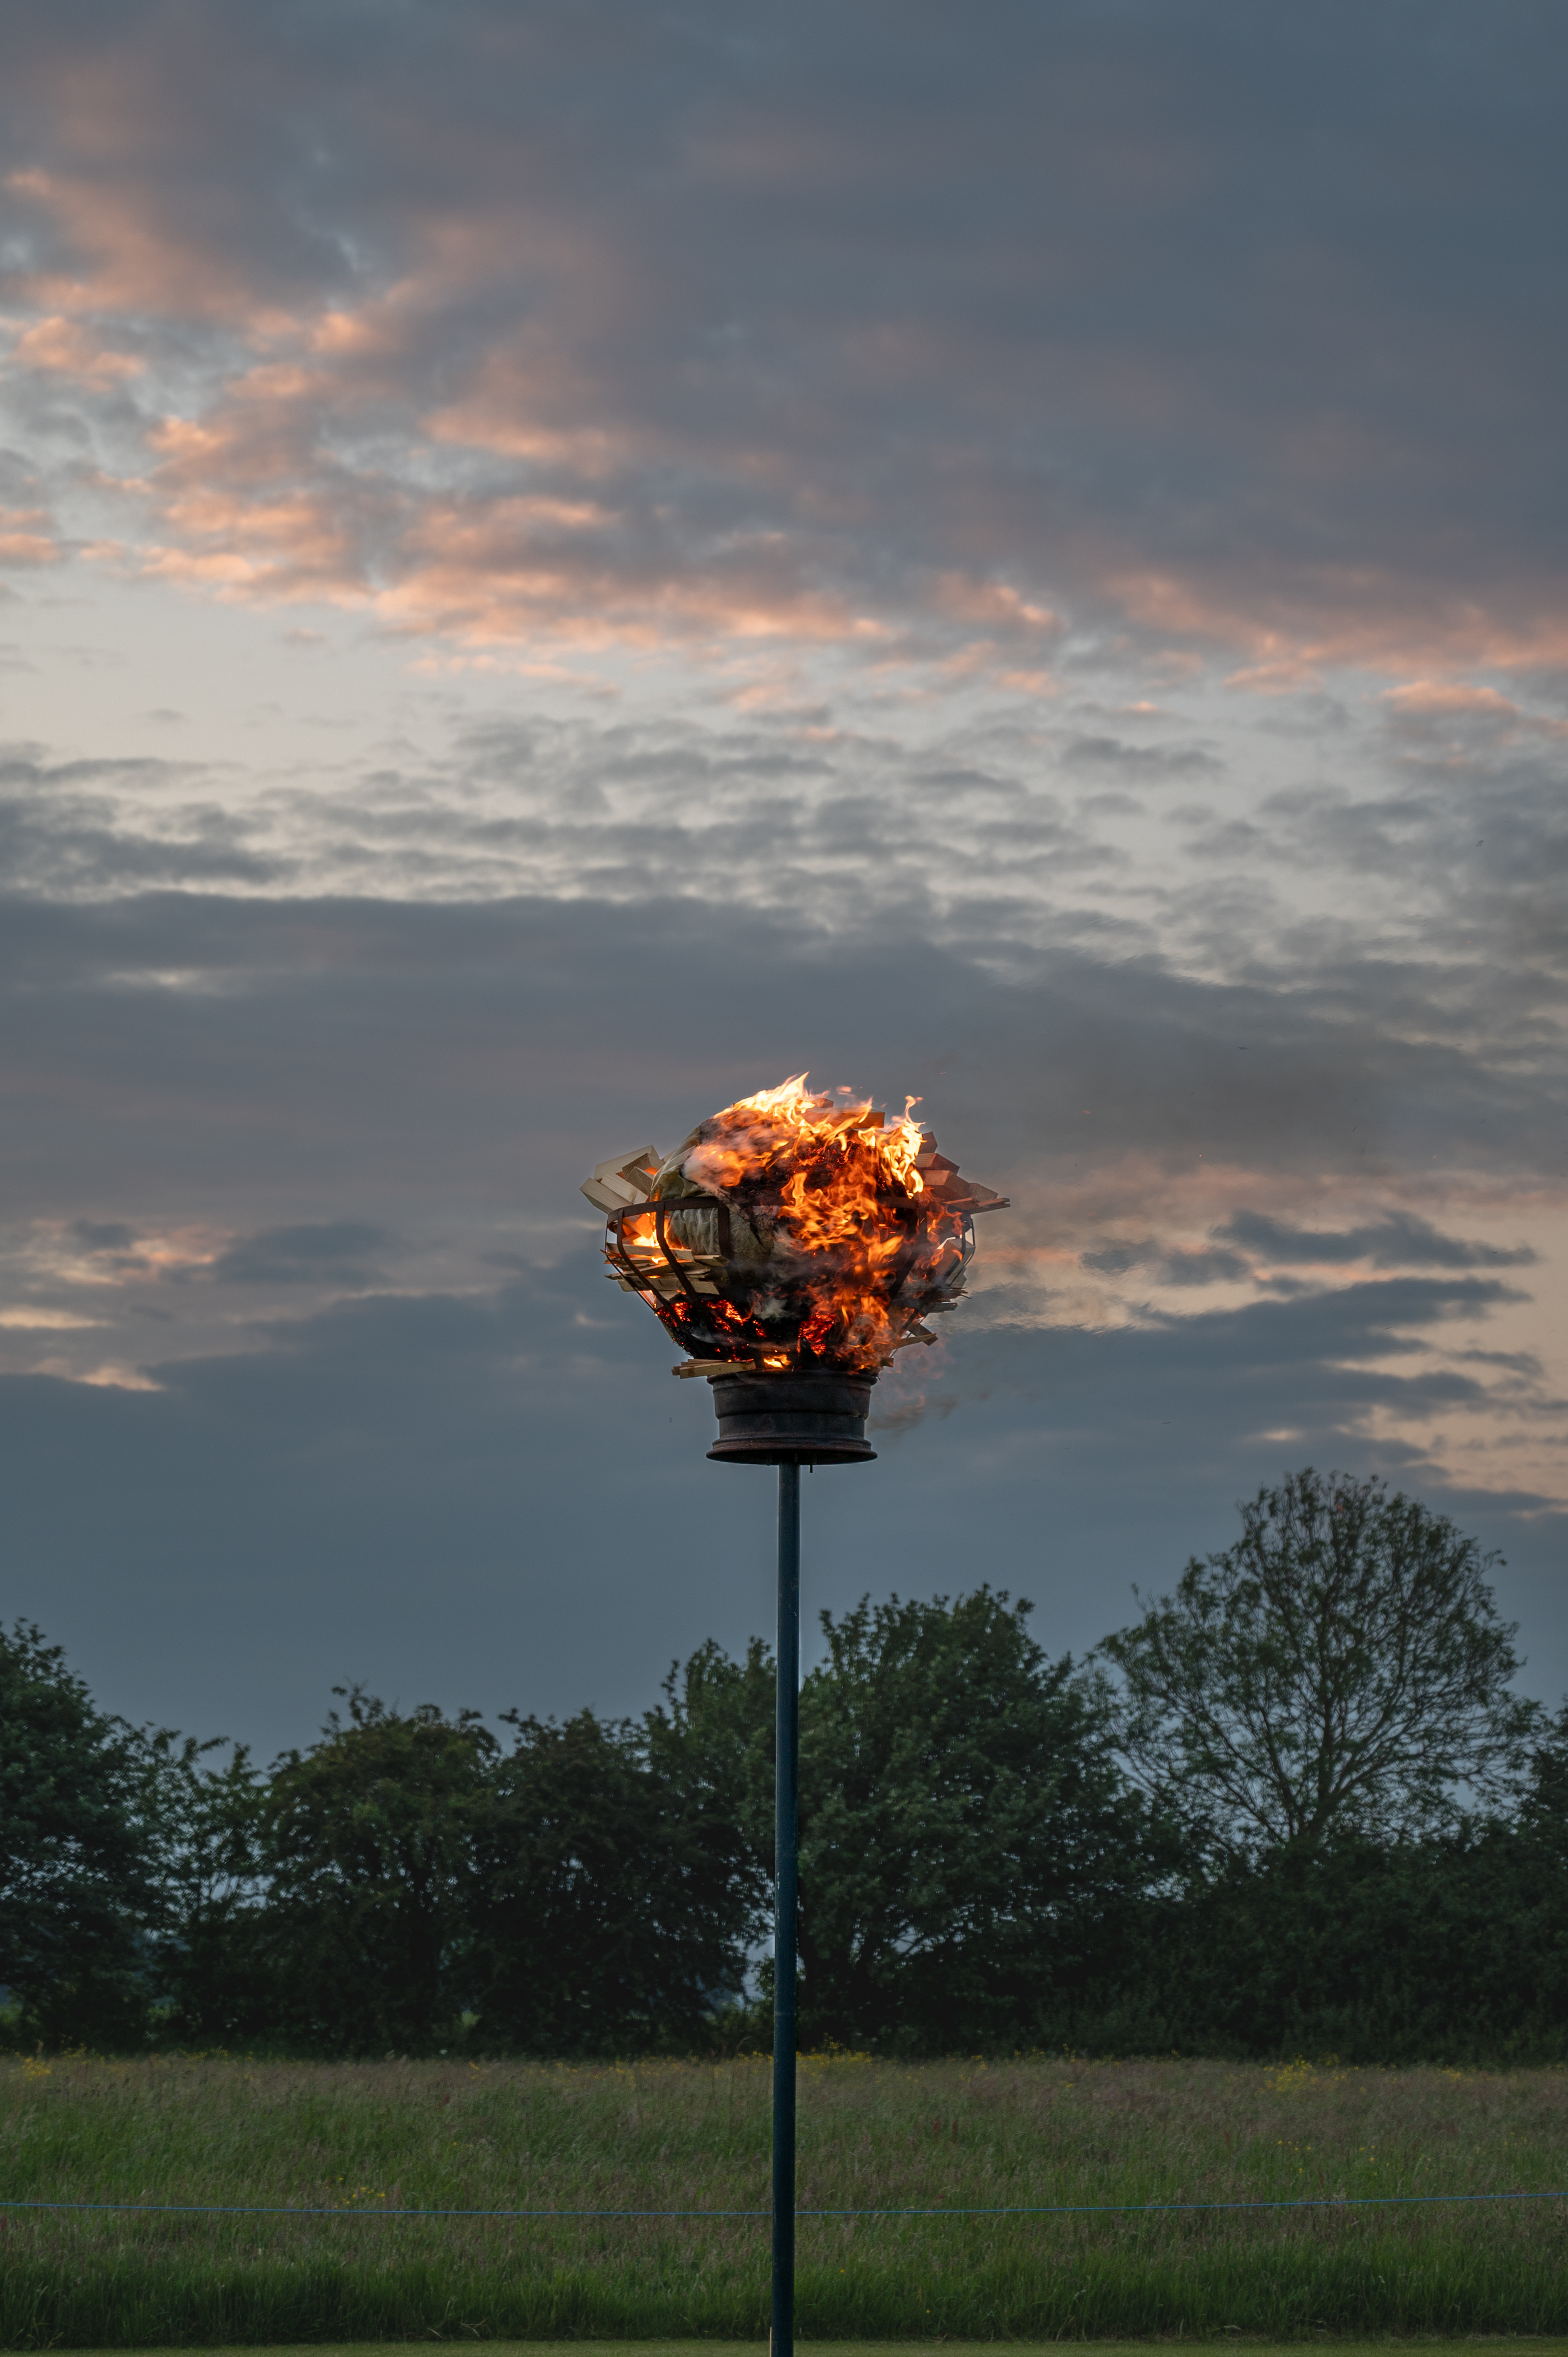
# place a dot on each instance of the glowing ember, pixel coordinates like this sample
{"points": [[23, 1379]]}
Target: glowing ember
{"points": [[792, 1231]]}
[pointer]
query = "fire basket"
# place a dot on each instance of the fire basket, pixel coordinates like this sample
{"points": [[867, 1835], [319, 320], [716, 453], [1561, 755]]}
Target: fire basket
{"points": [[792, 1244]]}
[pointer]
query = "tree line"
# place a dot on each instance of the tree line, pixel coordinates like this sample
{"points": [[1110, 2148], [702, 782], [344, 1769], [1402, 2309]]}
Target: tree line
{"points": [[1294, 1805]]}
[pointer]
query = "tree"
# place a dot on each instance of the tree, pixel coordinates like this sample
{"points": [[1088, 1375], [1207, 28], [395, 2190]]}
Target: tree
{"points": [[607, 1911], [1543, 1799], [1452, 1949], [1341, 1670], [368, 1838], [76, 1884], [969, 1848], [712, 1737], [213, 1981]]}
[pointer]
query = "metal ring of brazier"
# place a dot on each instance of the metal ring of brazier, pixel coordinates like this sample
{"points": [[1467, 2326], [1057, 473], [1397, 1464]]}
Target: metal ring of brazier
{"points": [[791, 1419]]}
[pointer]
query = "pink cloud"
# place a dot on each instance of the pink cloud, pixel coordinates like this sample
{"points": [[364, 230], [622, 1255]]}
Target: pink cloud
{"points": [[519, 567], [61, 347], [997, 604], [1448, 699], [1435, 713], [1290, 631], [27, 537], [519, 410], [130, 257], [498, 395]]}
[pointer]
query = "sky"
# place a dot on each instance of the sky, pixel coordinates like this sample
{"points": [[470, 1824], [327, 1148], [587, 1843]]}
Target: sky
{"points": [[560, 563]]}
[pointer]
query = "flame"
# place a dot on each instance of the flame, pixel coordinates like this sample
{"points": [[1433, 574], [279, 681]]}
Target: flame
{"points": [[829, 1187], [790, 1124], [796, 1229]]}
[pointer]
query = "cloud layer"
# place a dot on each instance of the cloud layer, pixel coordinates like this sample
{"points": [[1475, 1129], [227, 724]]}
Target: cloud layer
{"points": [[1199, 328], [342, 1333], [564, 564]]}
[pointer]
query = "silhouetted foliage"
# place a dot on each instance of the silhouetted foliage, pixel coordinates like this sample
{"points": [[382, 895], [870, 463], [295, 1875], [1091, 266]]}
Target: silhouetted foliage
{"points": [[606, 1912], [368, 1842], [971, 1854], [209, 1973], [1341, 1670], [77, 1881], [1339, 1833], [969, 1851], [1453, 1950]]}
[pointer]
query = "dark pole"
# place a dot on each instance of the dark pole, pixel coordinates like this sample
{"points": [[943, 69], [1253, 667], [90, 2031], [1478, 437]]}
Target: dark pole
{"points": [[786, 1862]]}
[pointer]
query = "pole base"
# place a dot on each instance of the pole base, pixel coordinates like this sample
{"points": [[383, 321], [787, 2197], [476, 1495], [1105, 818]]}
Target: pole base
{"points": [[791, 1419]]}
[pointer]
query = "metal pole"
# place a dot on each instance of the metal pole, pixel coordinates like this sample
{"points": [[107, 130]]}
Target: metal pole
{"points": [[786, 1865]]}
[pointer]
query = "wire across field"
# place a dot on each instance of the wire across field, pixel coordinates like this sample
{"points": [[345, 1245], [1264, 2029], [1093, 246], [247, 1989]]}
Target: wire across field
{"points": [[372, 2139]]}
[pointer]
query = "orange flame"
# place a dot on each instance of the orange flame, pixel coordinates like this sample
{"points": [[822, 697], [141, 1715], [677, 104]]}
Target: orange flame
{"points": [[796, 1229], [789, 1123]]}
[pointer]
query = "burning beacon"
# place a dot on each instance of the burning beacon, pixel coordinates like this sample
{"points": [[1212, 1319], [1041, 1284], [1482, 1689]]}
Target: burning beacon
{"points": [[790, 1245]]}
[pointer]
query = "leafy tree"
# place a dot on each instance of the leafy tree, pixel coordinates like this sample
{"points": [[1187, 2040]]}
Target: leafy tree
{"points": [[367, 1841], [969, 1848], [970, 1854], [1543, 1798], [213, 1978], [1450, 1948], [606, 1909], [712, 1735], [1341, 1670], [76, 1880]]}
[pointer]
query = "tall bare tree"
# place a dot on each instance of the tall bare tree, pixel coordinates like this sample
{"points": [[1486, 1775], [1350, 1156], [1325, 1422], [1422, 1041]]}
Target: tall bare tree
{"points": [[1342, 1668]]}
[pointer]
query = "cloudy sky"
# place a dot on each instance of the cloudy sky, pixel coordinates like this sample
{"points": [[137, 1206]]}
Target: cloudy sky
{"points": [[565, 562]]}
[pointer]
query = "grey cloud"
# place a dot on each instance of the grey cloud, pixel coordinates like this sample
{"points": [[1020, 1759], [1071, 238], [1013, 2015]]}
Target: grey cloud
{"points": [[1316, 1362], [1165, 1267], [956, 837], [437, 1487], [102, 1235], [1116, 1260], [1201, 1268], [326, 1252], [486, 1478], [1398, 1240], [382, 1049], [1111, 805], [1139, 760], [65, 831], [724, 811]]}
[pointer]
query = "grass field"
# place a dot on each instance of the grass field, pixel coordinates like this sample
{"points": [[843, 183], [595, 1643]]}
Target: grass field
{"points": [[363, 2140]]}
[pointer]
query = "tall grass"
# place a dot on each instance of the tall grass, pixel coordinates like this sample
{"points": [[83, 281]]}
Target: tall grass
{"points": [[365, 2138]]}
